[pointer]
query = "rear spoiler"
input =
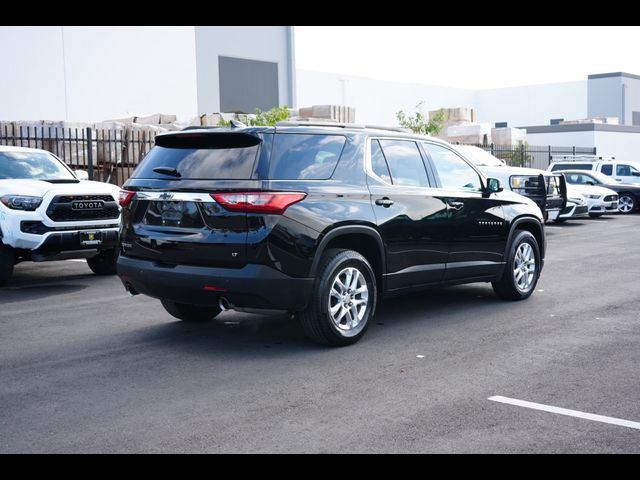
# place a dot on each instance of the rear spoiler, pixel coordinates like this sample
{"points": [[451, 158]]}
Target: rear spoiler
{"points": [[210, 139]]}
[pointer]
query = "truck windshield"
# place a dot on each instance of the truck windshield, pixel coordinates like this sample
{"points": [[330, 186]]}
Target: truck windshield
{"points": [[33, 166]]}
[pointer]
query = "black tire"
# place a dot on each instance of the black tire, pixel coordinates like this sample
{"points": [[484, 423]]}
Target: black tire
{"points": [[560, 220], [7, 261], [596, 215], [105, 263], [629, 200], [317, 321], [507, 287], [190, 313]]}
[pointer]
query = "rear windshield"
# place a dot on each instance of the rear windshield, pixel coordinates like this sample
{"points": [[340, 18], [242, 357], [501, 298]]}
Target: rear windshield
{"points": [[305, 157], [212, 156]]}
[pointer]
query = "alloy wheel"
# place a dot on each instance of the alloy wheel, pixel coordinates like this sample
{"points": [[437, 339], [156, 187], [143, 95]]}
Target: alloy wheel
{"points": [[524, 267], [348, 299]]}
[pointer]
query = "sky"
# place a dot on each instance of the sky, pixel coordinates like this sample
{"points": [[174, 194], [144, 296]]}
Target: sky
{"points": [[469, 57]]}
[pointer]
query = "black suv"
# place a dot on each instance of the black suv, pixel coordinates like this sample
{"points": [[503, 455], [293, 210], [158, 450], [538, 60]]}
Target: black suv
{"points": [[321, 221]]}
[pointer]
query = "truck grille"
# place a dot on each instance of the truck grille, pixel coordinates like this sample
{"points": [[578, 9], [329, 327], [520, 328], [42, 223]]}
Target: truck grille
{"points": [[61, 208]]}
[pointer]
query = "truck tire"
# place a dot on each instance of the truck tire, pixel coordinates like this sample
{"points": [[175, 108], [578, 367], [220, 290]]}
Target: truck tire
{"points": [[7, 261], [104, 263]]}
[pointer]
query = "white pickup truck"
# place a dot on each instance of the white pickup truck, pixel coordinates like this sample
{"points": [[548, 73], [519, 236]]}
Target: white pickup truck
{"points": [[48, 213]]}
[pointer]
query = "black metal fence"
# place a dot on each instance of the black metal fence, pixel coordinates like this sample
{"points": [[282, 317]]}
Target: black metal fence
{"points": [[532, 156], [112, 155], [106, 155]]}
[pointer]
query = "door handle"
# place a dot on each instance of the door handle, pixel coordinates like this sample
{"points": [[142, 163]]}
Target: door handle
{"points": [[385, 202], [455, 205]]}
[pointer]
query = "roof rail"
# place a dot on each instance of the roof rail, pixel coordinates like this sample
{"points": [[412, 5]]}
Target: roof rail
{"points": [[302, 123], [201, 127]]}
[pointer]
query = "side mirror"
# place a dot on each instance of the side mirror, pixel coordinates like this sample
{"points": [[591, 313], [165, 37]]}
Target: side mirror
{"points": [[590, 183], [635, 174], [81, 174], [493, 185]]}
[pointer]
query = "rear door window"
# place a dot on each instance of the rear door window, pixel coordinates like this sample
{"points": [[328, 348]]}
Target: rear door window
{"points": [[378, 162], [572, 166], [405, 163], [305, 157]]}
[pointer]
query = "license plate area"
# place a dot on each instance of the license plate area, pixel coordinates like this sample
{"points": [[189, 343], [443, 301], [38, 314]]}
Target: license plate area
{"points": [[173, 214], [90, 238]]}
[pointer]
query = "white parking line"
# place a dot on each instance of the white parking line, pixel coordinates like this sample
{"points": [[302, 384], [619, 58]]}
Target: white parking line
{"points": [[77, 260], [565, 411]]}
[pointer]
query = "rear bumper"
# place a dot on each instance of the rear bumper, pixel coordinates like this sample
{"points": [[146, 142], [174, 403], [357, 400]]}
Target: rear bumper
{"points": [[254, 286]]}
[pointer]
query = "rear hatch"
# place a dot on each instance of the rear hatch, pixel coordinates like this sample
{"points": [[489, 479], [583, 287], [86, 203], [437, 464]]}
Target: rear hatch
{"points": [[173, 218]]}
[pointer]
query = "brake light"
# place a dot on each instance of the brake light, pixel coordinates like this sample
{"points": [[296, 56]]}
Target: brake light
{"points": [[274, 203], [213, 288], [125, 197]]}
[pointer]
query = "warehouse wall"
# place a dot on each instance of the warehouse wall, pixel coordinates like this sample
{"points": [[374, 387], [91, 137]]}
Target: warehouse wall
{"points": [[95, 73], [376, 101], [266, 44]]}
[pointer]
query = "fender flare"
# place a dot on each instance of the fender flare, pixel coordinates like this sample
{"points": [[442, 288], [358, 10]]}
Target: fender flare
{"points": [[514, 227], [348, 230]]}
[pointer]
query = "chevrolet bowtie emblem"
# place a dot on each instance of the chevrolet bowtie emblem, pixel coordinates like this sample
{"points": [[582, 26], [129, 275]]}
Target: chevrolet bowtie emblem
{"points": [[166, 196]]}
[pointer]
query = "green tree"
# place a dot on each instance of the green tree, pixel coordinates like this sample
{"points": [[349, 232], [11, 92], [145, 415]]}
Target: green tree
{"points": [[271, 117], [420, 122], [266, 119], [519, 156]]}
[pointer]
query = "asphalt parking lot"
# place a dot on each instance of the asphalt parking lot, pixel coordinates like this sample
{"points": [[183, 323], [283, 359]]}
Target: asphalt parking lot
{"points": [[85, 368]]}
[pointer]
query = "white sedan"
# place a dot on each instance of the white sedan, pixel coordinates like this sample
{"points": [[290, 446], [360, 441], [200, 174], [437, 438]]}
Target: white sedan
{"points": [[599, 199]]}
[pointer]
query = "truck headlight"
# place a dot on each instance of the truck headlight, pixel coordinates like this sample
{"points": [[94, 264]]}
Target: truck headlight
{"points": [[593, 197], [21, 202]]}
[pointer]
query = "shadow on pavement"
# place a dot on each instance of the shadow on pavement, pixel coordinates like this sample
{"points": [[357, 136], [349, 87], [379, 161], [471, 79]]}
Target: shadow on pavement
{"points": [[247, 335]]}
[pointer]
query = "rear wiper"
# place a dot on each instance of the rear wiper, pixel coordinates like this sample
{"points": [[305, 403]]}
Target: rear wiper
{"points": [[168, 171]]}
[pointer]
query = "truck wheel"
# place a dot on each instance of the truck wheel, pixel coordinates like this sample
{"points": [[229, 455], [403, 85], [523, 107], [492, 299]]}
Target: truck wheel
{"points": [[7, 261], [522, 268], [104, 263], [343, 300], [190, 313]]}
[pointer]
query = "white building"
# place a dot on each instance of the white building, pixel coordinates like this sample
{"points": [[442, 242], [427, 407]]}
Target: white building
{"points": [[96, 73], [90, 74], [538, 108], [377, 101]]}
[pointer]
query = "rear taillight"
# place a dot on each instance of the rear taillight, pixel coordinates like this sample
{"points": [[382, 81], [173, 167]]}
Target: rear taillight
{"points": [[274, 203], [125, 197]]}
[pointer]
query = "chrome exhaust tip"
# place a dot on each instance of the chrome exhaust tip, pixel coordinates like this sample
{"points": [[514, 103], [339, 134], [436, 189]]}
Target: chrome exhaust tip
{"points": [[130, 290], [224, 304]]}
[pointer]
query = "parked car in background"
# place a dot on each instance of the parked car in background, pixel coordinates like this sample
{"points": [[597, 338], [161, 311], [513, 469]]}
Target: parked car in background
{"points": [[321, 221], [48, 213], [548, 191], [628, 193], [621, 171], [600, 200], [576, 207]]}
